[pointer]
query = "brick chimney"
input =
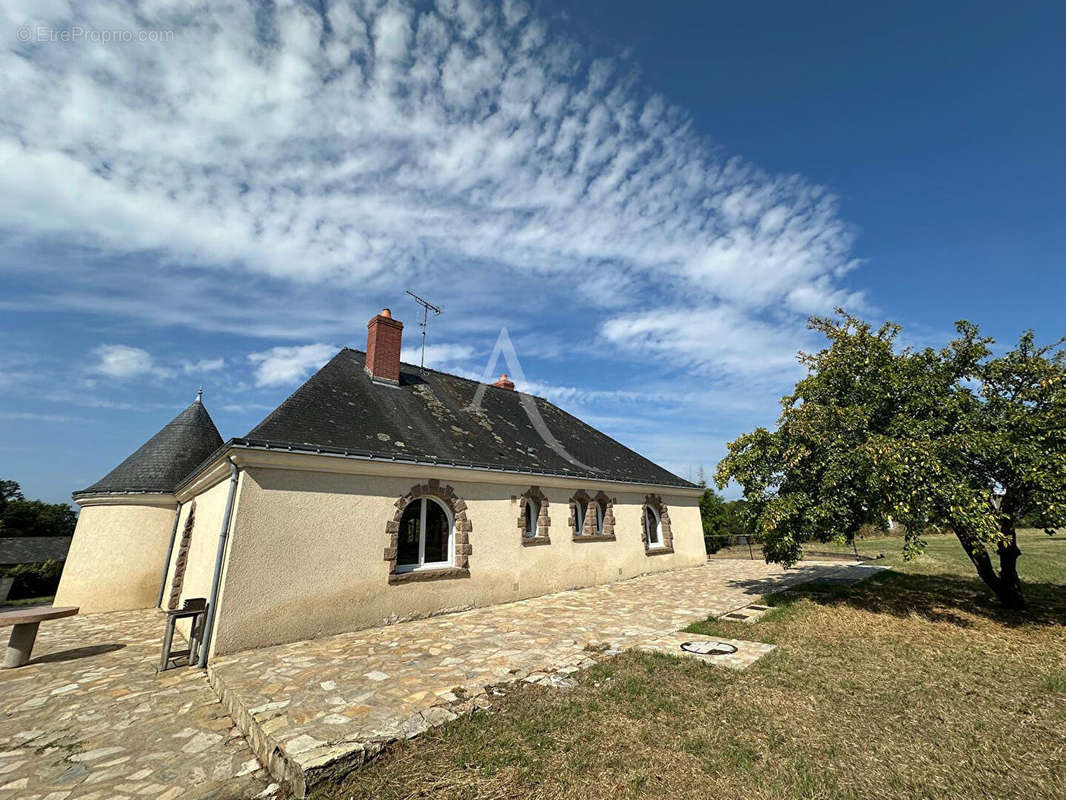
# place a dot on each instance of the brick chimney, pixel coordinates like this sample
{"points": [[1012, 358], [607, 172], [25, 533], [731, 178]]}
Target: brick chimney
{"points": [[383, 335], [504, 383]]}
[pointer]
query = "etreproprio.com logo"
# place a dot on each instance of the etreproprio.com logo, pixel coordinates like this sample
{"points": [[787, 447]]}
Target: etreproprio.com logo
{"points": [[78, 33]]}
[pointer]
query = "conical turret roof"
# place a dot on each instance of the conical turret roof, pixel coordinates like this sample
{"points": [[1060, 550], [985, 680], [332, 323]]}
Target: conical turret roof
{"points": [[162, 462]]}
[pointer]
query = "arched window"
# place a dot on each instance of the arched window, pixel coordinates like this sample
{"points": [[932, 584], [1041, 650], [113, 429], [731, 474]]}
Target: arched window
{"points": [[655, 521], [653, 526], [425, 536], [533, 519], [592, 518], [530, 515]]}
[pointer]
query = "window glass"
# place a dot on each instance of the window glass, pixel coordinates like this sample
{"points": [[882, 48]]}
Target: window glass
{"points": [[599, 517], [410, 525], [579, 517], [651, 524], [436, 533], [424, 536], [529, 518]]}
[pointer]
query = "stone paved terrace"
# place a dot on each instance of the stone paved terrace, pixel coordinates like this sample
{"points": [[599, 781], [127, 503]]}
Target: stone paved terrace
{"points": [[314, 710], [90, 718]]}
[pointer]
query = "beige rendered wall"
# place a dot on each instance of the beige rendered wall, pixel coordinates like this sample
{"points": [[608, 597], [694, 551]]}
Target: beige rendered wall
{"points": [[203, 546], [210, 506], [116, 558], [306, 555]]}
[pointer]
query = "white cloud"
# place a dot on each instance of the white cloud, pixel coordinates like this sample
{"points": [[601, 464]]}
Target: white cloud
{"points": [[202, 366], [278, 173], [716, 340], [284, 365], [371, 143], [441, 357], [32, 416], [579, 396], [121, 361], [16, 370], [246, 408]]}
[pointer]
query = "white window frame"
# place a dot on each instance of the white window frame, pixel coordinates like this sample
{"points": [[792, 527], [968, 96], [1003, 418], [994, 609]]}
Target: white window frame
{"points": [[579, 517], [421, 565], [658, 544], [601, 512], [532, 507]]}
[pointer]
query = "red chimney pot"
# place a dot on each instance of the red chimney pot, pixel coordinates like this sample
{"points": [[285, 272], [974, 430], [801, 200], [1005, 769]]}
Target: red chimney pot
{"points": [[504, 383]]}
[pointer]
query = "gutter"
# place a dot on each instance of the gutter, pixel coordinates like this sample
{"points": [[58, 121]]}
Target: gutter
{"points": [[216, 577], [95, 492], [170, 552]]}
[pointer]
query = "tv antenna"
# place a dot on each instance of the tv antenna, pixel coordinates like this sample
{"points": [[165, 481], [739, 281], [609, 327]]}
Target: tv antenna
{"points": [[426, 308]]}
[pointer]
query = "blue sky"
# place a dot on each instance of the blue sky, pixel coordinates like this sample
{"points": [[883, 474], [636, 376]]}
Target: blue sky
{"points": [[650, 198]]}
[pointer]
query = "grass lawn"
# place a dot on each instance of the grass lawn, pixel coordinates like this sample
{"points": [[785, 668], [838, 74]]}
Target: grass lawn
{"points": [[1042, 560], [27, 601], [911, 685]]}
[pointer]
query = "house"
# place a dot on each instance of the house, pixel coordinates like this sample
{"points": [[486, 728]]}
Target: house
{"points": [[377, 492], [23, 551]]}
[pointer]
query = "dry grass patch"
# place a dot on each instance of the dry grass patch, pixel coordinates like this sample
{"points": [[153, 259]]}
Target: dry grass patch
{"points": [[910, 685]]}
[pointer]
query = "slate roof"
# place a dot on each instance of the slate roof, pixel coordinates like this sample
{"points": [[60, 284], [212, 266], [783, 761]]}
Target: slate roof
{"points": [[33, 549], [161, 463], [427, 419]]}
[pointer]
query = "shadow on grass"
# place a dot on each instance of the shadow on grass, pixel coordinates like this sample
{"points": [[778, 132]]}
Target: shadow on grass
{"points": [[938, 598], [802, 574]]}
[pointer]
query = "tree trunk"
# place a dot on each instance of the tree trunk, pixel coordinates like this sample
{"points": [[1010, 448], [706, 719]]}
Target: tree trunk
{"points": [[1006, 584], [975, 549], [1010, 585]]}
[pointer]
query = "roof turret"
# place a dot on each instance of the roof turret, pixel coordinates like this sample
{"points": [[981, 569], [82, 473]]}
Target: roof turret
{"points": [[162, 462]]}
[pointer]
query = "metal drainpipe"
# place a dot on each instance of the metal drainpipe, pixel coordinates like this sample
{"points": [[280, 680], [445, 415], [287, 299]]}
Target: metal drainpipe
{"points": [[223, 535], [170, 552]]}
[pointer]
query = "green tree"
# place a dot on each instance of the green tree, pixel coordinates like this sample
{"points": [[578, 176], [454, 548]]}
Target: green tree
{"points": [[22, 517], [9, 490], [721, 519], [715, 517], [954, 439]]}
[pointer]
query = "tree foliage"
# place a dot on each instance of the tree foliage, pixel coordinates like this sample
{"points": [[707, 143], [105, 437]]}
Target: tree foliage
{"points": [[953, 438], [9, 490], [22, 517], [722, 519]]}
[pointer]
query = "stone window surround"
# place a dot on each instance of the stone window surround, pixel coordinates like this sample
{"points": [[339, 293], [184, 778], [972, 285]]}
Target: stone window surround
{"points": [[178, 580], [656, 502], [461, 529], [543, 519], [590, 528]]}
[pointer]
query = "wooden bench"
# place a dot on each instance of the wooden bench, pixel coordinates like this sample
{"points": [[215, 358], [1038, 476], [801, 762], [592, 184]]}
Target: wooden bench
{"points": [[26, 621]]}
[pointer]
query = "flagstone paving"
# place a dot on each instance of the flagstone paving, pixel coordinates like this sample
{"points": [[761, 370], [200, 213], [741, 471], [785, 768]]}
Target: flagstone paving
{"points": [[90, 718], [314, 710]]}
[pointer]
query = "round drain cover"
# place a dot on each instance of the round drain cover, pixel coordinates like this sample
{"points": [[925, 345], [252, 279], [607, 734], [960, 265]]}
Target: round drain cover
{"points": [[709, 648]]}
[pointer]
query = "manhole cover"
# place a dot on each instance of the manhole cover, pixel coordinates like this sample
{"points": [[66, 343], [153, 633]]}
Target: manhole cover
{"points": [[709, 648]]}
